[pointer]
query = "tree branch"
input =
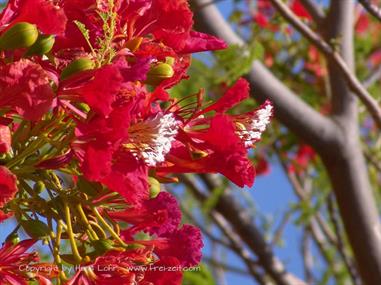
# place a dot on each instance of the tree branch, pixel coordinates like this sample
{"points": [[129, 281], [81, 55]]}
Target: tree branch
{"points": [[355, 85], [371, 8], [289, 108]]}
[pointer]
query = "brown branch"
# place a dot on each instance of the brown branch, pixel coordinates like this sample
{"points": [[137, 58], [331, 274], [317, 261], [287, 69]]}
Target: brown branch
{"points": [[355, 85], [371, 8]]}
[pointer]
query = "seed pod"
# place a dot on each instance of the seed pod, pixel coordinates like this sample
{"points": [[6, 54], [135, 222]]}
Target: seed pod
{"points": [[20, 35], [42, 46], [158, 73], [76, 66]]}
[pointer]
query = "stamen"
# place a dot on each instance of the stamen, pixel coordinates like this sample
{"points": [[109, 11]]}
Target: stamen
{"points": [[250, 127], [151, 140]]}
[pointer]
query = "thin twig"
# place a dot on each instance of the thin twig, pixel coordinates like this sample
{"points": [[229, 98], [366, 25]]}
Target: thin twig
{"points": [[279, 231], [308, 261], [355, 85]]}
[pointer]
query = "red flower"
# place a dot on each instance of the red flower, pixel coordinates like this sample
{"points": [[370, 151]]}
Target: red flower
{"points": [[13, 262], [5, 139], [235, 94], [263, 166], [198, 42], [164, 277], [8, 187], [261, 20], [128, 176], [227, 156], [25, 89], [362, 23], [49, 18], [113, 267], [199, 147], [172, 22], [304, 156], [299, 10], [100, 92], [184, 244], [156, 216]]}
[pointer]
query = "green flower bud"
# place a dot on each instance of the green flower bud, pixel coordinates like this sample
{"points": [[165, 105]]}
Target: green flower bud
{"points": [[13, 238], [102, 246], [20, 35], [158, 73], [76, 66], [154, 188], [42, 46], [39, 187]]}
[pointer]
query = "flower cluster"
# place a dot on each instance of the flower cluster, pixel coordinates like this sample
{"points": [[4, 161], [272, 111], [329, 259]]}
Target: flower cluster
{"points": [[88, 130]]}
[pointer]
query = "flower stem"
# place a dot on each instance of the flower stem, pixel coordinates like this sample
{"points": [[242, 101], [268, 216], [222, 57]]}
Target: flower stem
{"points": [[108, 227], [69, 231]]}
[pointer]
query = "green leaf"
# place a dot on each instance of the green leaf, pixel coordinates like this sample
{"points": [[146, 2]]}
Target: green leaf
{"points": [[199, 277], [237, 61], [35, 229]]}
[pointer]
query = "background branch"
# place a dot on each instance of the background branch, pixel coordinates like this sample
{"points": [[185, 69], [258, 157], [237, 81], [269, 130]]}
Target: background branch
{"points": [[371, 8], [355, 85]]}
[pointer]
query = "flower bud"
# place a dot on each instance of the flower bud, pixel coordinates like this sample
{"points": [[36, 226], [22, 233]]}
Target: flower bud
{"points": [[20, 35], [13, 238], [39, 187], [76, 66], [154, 188], [102, 246], [42, 46], [158, 73]]}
